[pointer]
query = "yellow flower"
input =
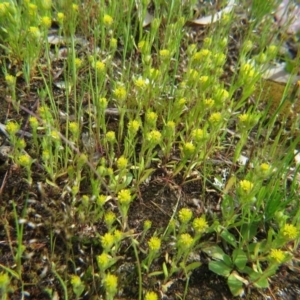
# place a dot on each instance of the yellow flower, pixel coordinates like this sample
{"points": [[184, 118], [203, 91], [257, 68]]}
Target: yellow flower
{"points": [[277, 255], [147, 225], [124, 197], [34, 31], [185, 215], [203, 79], [46, 22], [120, 93], [215, 118], [101, 200], [185, 241], [75, 7], [151, 117], [290, 231], [78, 62], [133, 126], [107, 20], [45, 155], [111, 136], [180, 102], [111, 283], [122, 162], [140, 83], [264, 167], [154, 136], [188, 148], [4, 8], [118, 235], [171, 125], [46, 4], [32, 9], [74, 127], [100, 66], [201, 55], [246, 185], [193, 74], [113, 43], [60, 17], [247, 70], [164, 53], [103, 260], [107, 240], [75, 281], [102, 102], [25, 160], [154, 243], [55, 135], [200, 225], [10, 79], [199, 134], [12, 127], [4, 280], [109, 218], [151, 296], [209, 102], [33, 122], [244, 118]]}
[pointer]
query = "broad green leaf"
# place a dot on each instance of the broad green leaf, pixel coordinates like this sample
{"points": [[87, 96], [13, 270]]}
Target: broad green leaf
{"points": [[239, 258], [192, 266], [214, 251], [235, 285], [229, 238], [219, 268], [248, 231], [261, 283]]}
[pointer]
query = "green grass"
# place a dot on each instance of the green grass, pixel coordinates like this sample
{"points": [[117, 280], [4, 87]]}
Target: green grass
{"points": [[178, 115]]}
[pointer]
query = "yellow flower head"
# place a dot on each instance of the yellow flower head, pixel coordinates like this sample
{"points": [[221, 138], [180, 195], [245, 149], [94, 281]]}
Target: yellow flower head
{"points": [[34, 32], [12, 127], [290, 231], [170, 125], [244, 118], [164, 53], [201, 55], [78, 62], [34, 123], [147, 225], [103, 260], [111, 284], [124, 197], [264, 167], [277, 255], [188, 148], [209, 102], [75, 7], [108, 20], [154, 136], [55, 135], [100, 66], [10, 79], [101, 200], [46, 22], [25, 160], [151, 296], [74, 127], [200, 225], [107, 240], [120, 93], [102, 102], [75, 281], [140, 83], [199, 134], [109, 218], [151, 117], [246, 185], [133, 126], [4, 280], [185, 241], [215, 118], [113, 43], [154, 243], [60, 17], [111, 136], [185, 215], [122, 162], [203, 79], [118, 235]]}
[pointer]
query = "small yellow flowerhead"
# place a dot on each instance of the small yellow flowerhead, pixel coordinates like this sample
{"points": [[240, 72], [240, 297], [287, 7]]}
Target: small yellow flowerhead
{"points": [[133, 126], [34, 123], [74, 128], [10, 79], [32, 9], [109, 218], [34, 32], [289, 231], [185, 241], [188, 148], [111, 136], [78, 62], [45, 155], [102, 102], [124, 197], [200, 225], [154, 136], [244, 118], [207, 42], [46, 4], [164, 53], [75, 7], [118, 235], [75, 281], [55, 135], [201, 55], [246, 186], [248, 45], [147, 225], [4, 280], [199, 134], [111, 284], [209, 102], [203, 79], [107, 240], [277, 255], [122, 163], [264, 167], [120, 93], [154, 244], [113, 43], [46, 22], [215, 118], [100, 66], [151, 296], [103, 261], [4, 8], [108, 20], [101, 200], [140, 83], [151, 117], [12, 127], [170, 125], [185, 215], [247, 70], [60, 17], [25, 160]]}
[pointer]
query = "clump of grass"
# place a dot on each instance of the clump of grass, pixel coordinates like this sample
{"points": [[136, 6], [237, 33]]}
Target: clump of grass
{"points": [[171, 113]]}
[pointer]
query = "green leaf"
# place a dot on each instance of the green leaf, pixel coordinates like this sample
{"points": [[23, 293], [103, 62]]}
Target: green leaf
{"points": [[215, 252], [229, 238], [220, 268], [192, 266], [239, 258], [235, 285], [261, 283], [248, 231]]}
